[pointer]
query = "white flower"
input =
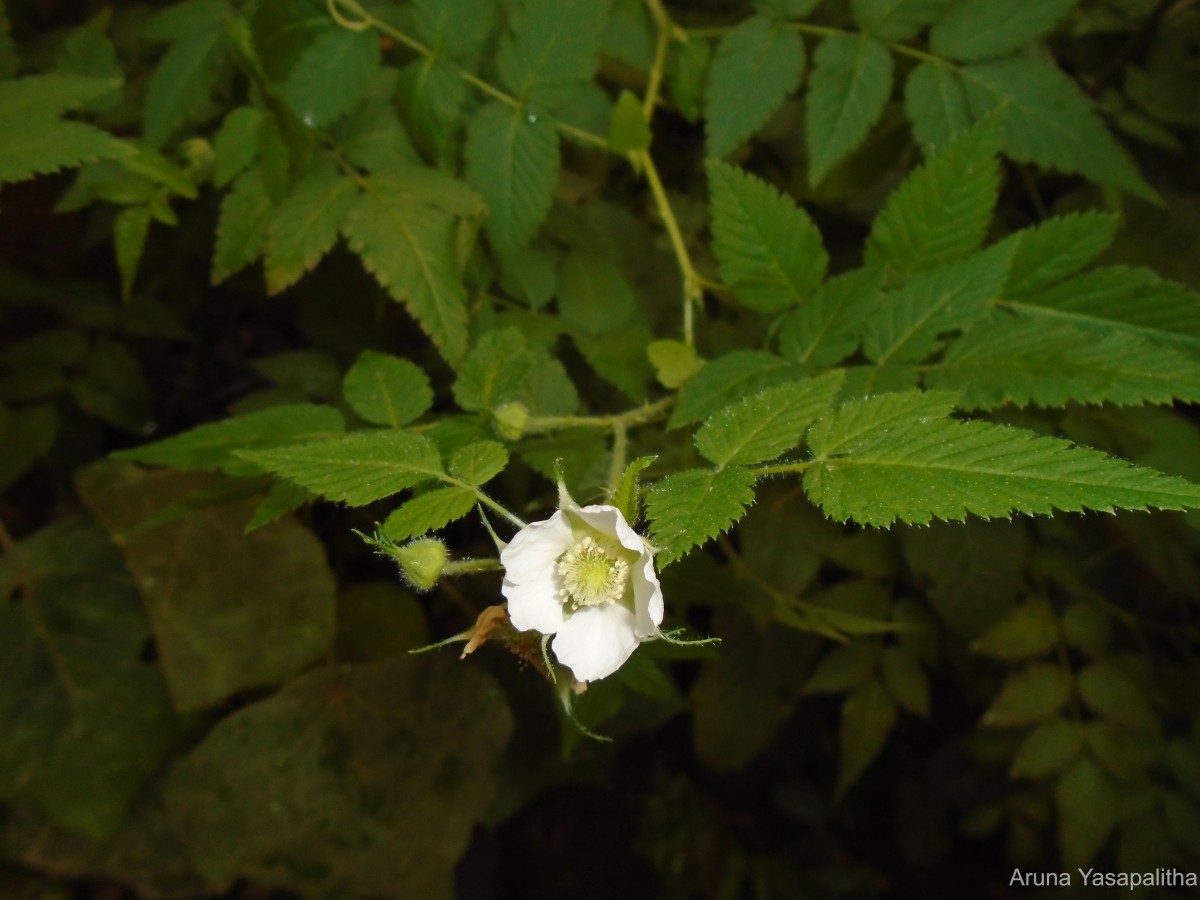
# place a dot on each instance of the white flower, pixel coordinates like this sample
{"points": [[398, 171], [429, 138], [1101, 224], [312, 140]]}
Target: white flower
{"points": [[586, 577]]}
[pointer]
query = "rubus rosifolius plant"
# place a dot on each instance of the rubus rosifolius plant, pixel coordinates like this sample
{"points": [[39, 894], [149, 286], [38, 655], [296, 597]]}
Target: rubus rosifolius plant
{"points": [[786, 403]]}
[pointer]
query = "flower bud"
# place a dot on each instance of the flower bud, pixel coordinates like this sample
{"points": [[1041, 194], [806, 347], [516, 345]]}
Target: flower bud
{"points": [[422, 562], [511, 419]]}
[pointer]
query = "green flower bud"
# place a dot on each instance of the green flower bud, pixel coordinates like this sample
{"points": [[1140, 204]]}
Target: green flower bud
{"points": [[422, 562], [511, 419]]}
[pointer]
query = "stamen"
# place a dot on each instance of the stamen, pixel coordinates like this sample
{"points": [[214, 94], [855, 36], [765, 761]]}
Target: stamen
{"points": [[592, 575]]}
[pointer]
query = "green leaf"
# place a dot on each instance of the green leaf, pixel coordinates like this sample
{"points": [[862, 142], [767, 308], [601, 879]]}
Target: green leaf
{"points": [[941, 212], [387, 390], [844, 667], [416, 736], [674, 362], [456, 28], [896, 20], [756, 66], [357, 469], [513, 161], [493, 371], [629, 130], [728, 378], [432, 94], [282, 498], [409, 247], [111, 385], [594, 296], [690, 507], [429, 512], [907, 324], [36, 141], [1087, 628], [905, 681], [1119, 298], [229, 610], [10, 63], [828, 328], [1048, 749], [26, 435], [480, 462], [767, 248], [1048, 121], [979, 29], [182, 82], [786, 9], [552, 49], [236, 144], [627, 496], [868, 716], [129, 237], [305, 226], [1086, 813], [332, 74], [242, 230], [210, 447], [180, 20], [70, 649], [935, 102], [1029, 630], [896, 457], [619, 357], [1029, 696], [1109, 692], [1055, 249], [851, 81], [687, 70], [764, 425], [1030, 361]]}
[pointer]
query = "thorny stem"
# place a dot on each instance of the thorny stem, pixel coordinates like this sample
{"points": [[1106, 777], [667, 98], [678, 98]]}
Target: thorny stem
{"points": [[783, 468], [619, 449], [639, 415]]}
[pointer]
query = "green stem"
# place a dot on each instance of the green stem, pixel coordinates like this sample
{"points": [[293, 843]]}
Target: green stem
{"points": [[639, 415], [471, 566], [692, 291], [784, 468], [620, 448], [666, 28]]}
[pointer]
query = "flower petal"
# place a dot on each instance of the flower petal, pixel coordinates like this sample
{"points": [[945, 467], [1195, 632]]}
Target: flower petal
{"points": [[535, 604], [594, 641], [608, 520], [647, 596], [535, 548]]}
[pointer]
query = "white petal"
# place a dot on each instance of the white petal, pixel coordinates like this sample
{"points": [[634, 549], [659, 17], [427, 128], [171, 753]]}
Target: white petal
{"points": [[534, 549], [535, 604], [647, 596], [608, 520], [594, 641]]}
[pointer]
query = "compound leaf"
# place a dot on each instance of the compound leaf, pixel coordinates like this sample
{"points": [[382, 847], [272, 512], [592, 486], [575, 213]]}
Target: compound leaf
{"points": [[690, 507], [851, 81]]}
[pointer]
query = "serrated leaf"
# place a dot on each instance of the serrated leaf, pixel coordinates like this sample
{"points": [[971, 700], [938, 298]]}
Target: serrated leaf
{"points": [[1086, 813], [305, 226], [409, 248], [1109, 692], [727, 378], [1047, 749], [1119, 298], [897, 457], [210, 447], [130, 228], [331, 75], [493, 371], [1054, 249], [594, 296], [387, 390], [432, 93], [850, 83], [907, 324], [688, 508], [629, 129], [768, 249], [905, 680], [513, 161], [357, 469], [627, 496], [179, 20], [456, 28], [828, 328], [480, 462], [764, 425], [242, 229], [1029, 361], [429, 512], [552, 48], [1029, 630], [1048, 121], [941, 211], [236, 144], [1029, 696], [183, 80], [36, 141], [619, 357], [979, 29], [935, 102], [756, 66], [896, 20], [868, 716], [281, 499]]}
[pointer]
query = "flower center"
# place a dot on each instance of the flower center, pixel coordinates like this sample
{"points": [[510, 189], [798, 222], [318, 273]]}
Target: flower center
{"points": [[592, 575]]}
